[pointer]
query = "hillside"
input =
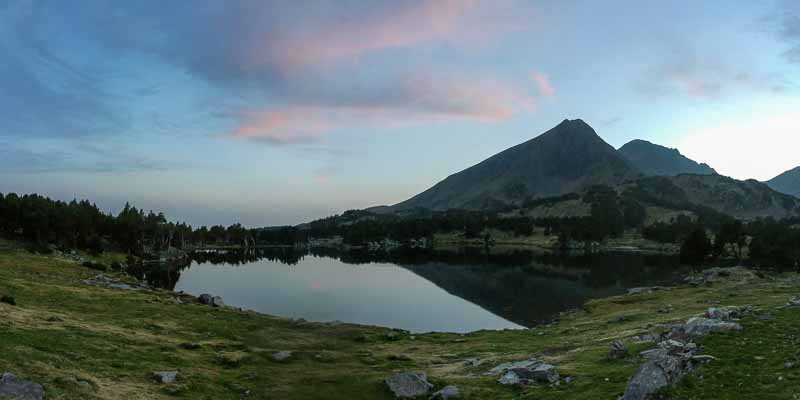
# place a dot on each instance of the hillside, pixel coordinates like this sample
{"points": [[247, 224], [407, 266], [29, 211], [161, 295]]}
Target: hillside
{"points": [[787, 182], [742, 199], [565, 159], [653, 159]]}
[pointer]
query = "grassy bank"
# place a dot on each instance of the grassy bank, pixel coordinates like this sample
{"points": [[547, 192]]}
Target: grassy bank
{"points": [[86, 342]]}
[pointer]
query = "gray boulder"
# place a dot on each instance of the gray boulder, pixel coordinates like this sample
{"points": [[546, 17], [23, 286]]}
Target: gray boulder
{"points": [[617, 350], [702, 326], [513, 365], [409, 385], [449, 392], [165, 376], [19, 389], [540, 373], [652, 376], [205, 298], [216, 301], [282, 355]]}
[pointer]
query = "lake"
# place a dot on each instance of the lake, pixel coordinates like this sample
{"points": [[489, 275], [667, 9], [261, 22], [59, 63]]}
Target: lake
{"points": [[419, 291]]}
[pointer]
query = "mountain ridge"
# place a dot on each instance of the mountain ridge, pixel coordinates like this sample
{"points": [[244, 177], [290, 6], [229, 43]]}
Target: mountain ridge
{"points": [[567, 158], [787, 182], [657, 160]]}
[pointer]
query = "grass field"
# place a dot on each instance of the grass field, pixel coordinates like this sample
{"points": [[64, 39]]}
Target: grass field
{"points": [[86, 342]]}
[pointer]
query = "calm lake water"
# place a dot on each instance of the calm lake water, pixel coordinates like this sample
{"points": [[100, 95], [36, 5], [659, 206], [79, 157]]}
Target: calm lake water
{"points": [[417, 291]]}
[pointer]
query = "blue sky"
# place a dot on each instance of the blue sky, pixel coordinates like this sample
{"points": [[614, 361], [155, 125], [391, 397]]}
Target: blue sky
{"points": [[276, 112]]}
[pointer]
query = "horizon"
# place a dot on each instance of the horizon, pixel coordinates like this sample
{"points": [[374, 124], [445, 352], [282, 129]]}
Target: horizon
{"points": [[222, 113]]}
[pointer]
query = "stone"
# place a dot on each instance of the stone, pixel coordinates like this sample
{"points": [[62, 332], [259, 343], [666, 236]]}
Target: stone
{"points": [[216, 301], [448, 392], [722, 313], [473, 362], [165, 376], [656, 353], [281, 355], [540, 373], [409, 385], [19, 389], [665, 310], [652, 376], [702, 326], [205, 298], [513, 365], [617, 350]]}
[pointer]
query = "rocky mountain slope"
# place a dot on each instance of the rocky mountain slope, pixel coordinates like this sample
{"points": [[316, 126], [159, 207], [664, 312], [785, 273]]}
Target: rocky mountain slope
{"points": [[742, 199], [653, 159], [787, 182], [565, 159]]}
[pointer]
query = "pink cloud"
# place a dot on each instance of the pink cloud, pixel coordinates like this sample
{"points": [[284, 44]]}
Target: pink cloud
{"points": [[413, 100], [425, 21], [543, 85]]}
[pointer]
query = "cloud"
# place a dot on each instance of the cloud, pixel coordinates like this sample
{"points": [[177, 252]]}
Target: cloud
{"points": [[411, 100], [543, 85], [407, 24], [707, 77]]}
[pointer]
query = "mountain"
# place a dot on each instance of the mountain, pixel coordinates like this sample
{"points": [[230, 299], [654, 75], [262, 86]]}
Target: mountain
{"points": [[565, 159], [653, 159], [746, 200], [787, 182]]}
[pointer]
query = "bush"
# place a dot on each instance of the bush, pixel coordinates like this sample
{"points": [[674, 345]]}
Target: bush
{"points": [[8, 300], [95, 266]]}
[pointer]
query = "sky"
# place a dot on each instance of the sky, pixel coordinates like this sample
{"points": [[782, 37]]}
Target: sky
{"points": [[278, 112]]}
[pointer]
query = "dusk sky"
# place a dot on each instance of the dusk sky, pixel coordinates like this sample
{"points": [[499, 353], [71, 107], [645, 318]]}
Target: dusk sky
{"points": [[278, 112]]}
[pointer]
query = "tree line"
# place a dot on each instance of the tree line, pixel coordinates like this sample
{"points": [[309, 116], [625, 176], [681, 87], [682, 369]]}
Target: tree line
{"points": [[43, 222]]}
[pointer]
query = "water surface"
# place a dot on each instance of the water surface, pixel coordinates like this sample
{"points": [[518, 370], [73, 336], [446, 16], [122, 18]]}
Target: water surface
{"points": [[417, 291]]}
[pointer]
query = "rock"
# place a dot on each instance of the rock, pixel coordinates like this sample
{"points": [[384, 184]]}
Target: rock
{"points": [[665, 310], [617, 350], [449, 392], [513, 365], [205, 298], [644, 290], [656, 353], [539, 373], [282, 355], [391, 336], [722, 313], [652, 376], [165, 376], [702, 326], [409, 385], [794, 302], [191, 346], [646, 337], [216, 301], [473, 362], [764, 316], [19, 389]]}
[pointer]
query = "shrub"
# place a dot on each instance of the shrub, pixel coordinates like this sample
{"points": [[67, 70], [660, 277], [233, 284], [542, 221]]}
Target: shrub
{"points": [[8, 300], [95, 266]]}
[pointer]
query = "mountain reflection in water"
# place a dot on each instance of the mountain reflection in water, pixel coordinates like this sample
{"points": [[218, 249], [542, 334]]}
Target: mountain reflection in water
{"points": [[522, 288]]}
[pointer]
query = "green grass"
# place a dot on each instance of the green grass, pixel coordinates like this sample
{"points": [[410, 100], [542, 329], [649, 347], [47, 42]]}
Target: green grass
{"points": [[84, 342]]}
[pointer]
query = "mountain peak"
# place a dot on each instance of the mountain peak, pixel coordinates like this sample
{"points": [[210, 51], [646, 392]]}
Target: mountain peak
{"points": [[787, 182], [654, 159], [567, 158]]}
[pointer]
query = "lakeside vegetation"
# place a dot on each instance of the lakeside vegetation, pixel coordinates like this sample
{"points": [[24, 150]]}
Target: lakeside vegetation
{"points": [[83, 341]]}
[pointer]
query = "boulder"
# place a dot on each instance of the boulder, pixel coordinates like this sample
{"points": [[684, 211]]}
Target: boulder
{"points": [[281, 355], [19, 389], [216, 301], [449, 392], [702, 326], [513, 365], [652, 376], [722, 313], [165, 376], [205, 298], [540, 373], [617, 350], [409, 385]]}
